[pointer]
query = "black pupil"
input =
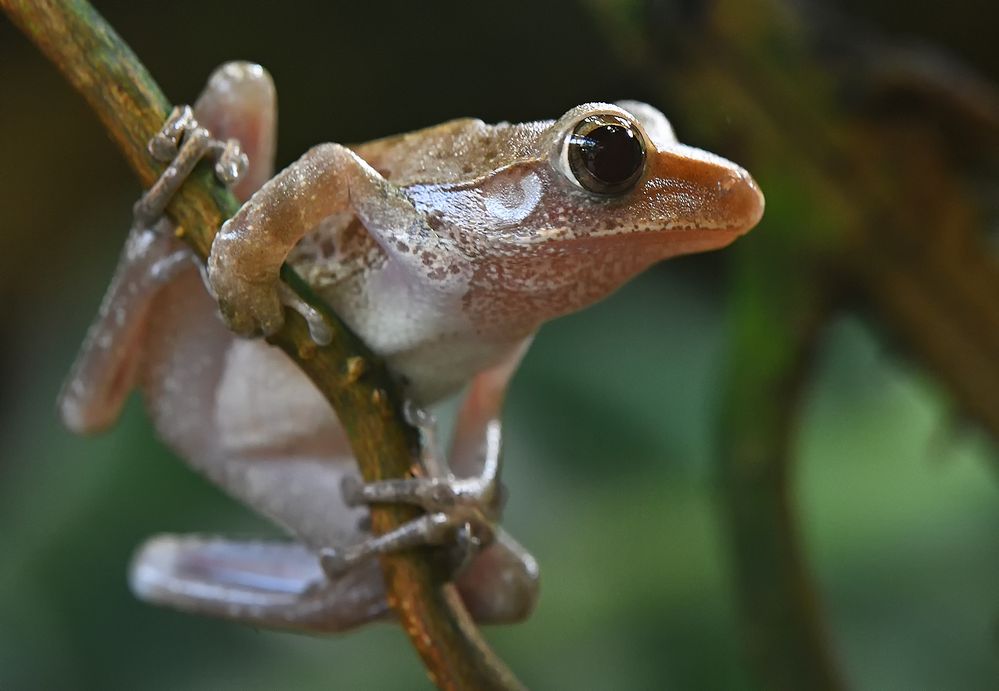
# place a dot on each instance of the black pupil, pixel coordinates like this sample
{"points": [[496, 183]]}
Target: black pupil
{"points": [[611, 153]]}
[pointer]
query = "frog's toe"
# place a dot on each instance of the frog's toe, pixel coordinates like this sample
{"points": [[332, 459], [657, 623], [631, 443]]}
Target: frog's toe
{"points": [[267, 311], [263, 321], [249, 309], [238, 322]]}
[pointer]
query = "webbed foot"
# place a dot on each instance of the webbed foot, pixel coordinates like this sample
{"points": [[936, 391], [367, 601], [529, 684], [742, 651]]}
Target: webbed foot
{"points": [[271, 584], [281, 585]]}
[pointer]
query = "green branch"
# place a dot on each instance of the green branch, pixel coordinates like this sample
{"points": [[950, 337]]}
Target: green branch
{"points": [[132, 108]]}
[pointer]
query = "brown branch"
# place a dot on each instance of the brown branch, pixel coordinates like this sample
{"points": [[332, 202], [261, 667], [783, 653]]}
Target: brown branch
{"points": [[92, 57]]}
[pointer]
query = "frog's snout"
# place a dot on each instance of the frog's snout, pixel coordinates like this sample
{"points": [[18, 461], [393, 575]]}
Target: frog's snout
{"points": [[704, 192], [741, 199]]}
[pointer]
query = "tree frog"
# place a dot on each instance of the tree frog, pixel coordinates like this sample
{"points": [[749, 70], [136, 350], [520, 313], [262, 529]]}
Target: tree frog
{"points": [[444, 249]]}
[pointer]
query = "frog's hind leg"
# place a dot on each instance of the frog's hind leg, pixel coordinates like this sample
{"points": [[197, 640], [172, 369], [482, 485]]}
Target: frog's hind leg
{"points": [[463, 501], [238, 103], [499, 581]]}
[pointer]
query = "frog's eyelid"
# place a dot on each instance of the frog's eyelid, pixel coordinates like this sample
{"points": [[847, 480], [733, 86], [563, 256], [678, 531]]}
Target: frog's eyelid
{"points": [[653, 123]]}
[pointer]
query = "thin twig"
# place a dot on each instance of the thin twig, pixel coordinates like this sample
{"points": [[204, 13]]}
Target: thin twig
{"points": [[131, 106]]}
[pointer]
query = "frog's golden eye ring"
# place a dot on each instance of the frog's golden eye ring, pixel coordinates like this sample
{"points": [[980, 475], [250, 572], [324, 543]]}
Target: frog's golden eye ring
{"points": [[606, 154]]}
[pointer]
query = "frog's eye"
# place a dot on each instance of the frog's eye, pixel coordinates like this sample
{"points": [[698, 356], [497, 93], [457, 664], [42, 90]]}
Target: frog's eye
{"points": [[606, 154]]}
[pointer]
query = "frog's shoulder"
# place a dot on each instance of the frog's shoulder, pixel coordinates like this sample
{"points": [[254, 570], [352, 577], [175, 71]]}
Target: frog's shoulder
{"points": [[453, 151]]}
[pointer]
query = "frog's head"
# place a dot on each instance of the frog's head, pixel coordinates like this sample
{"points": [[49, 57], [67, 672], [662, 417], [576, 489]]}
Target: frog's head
{"points": [[626, 180], [611, 191]]}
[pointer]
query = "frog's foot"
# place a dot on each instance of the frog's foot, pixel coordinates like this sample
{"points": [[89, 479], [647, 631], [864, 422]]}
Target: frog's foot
{"points": [[281, 584], [182, 143], [461, 513], [270, 584]]}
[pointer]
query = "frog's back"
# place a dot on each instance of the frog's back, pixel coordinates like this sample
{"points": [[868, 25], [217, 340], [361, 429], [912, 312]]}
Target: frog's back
{"points": [[451, 152]]}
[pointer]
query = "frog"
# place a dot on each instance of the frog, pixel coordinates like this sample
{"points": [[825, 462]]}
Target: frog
{"points": [[444, 250]]}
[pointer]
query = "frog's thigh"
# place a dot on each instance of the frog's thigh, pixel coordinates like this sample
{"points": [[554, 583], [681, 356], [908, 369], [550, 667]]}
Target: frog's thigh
{"points": [[239, 102], [500, 585], [256, 425], [265, 405], [300, 494]]}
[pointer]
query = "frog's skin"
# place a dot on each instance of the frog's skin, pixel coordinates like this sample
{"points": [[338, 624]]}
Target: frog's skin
{"points": [[443, 249]]}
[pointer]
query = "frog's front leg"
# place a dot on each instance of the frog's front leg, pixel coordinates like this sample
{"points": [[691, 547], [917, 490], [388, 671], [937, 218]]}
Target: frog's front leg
{"points": [[248, 251]]}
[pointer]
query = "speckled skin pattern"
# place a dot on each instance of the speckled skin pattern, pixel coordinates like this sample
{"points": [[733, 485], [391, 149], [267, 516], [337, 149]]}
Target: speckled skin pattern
{"points": [[444, 249]]}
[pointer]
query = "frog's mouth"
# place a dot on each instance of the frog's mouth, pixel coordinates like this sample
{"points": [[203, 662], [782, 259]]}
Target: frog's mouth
{"points": [[654, 245]]}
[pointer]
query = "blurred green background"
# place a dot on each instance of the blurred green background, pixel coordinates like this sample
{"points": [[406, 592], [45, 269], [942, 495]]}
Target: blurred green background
{"points": [[611, 421]]}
